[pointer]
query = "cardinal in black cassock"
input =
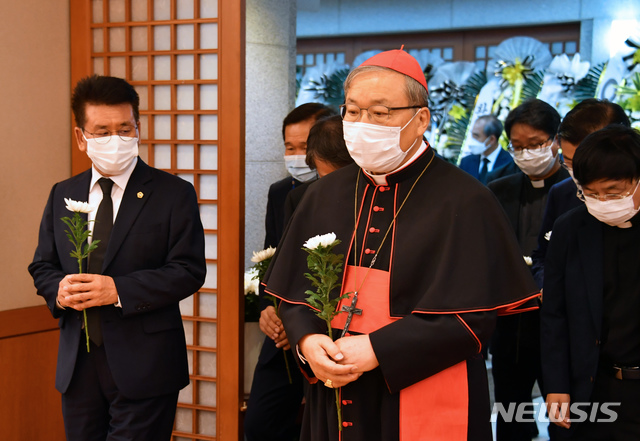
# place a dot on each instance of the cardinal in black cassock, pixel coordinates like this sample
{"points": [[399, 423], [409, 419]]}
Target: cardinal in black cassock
{"points": [[433, 259]]}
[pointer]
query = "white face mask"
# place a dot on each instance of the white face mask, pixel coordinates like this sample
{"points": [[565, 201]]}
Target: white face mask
{"points": [[298, 168], [115, 156], [614, 212], [476, 147], [375, 148], [536, 162]]}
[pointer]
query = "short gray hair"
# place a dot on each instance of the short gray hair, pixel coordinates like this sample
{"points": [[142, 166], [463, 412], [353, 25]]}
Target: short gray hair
{"points": [[492, 125], [416, 93]]}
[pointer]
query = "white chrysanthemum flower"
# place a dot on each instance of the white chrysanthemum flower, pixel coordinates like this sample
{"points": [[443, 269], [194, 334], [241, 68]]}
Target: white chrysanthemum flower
{"points": [[324, 240], [548, 235], [571, 68], [251, 282], [528, 260], [78, 207], [259, 256]]}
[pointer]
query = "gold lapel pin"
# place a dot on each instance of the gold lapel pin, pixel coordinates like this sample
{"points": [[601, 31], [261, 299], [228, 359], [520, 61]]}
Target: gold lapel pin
{"points": [[140, 195]]}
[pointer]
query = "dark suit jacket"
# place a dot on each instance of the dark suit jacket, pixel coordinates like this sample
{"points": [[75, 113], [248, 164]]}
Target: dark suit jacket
{"points": [[274, 219], [155, 256], [572, 307], [562, 198], [471, 163], [508, 190], [508, 169], [293, 199]]}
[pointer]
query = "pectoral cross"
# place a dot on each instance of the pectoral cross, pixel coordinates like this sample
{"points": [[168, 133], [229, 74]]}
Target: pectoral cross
{"points": [[351, 309]]}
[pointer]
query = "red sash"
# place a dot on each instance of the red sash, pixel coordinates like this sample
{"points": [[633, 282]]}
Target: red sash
{"points": [[434, 409]]}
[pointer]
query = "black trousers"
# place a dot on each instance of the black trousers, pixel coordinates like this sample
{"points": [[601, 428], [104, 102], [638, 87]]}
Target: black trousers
{"points": [[607, 389], [274, 402], [94, 409], [516, 367]]}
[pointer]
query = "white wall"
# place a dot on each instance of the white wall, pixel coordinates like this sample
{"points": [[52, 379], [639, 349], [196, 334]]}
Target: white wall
{"points": [[330, 18], [35, 122], [270, 94]]}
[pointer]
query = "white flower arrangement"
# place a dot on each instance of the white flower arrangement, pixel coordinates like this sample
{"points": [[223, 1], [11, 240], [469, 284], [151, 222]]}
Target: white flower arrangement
{"points": [[251, 281], [324, 240], [77, 206], [259, 256], [79, 234], [324, 269]]}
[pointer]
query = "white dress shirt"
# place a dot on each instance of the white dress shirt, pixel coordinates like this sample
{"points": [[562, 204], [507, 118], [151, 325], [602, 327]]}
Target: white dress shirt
{"points": [[117, 191], [492, 157]]}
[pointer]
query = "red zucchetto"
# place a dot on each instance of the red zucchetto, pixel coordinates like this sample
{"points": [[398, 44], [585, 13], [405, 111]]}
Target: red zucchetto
{"points": [[401, 62]]}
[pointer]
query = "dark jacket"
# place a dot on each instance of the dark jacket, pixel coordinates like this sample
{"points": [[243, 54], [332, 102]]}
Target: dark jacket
{"points": [[155, 256], [471, 163]]}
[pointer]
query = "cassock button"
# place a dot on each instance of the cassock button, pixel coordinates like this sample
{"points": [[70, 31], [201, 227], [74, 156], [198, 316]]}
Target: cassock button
{"points": [[376, 208], [368, 251], [345, 402], [382, 189], [373, 230], [347, 423]]}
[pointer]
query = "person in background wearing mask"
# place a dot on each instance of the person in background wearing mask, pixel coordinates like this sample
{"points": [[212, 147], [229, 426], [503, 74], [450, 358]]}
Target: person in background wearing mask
{"points": [[326, 153], [410, 362], [590, 326], [295, 130], [585, 118], [531, 129], [150, 256], [274, 401], [486, 153]]}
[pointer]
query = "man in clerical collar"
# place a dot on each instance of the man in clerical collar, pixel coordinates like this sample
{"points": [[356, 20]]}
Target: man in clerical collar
{"points": [[408, 358], [589, 320], [531, 129]]}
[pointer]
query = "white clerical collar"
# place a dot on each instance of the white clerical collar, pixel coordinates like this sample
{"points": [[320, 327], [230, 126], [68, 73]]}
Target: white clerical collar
{"points": [[120, 180], [382, 179], [537, 184]]}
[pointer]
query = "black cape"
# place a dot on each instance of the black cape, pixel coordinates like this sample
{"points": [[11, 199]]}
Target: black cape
{"points": [[454, 265], [453, 246]]}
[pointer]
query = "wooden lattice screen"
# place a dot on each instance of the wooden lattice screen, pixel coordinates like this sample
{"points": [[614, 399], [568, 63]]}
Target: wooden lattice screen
{"points": [[186, 60]]}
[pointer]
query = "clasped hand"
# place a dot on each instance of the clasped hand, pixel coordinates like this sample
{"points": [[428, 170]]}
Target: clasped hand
{"points": [[271, 326], [342, 361], [82, 291]]}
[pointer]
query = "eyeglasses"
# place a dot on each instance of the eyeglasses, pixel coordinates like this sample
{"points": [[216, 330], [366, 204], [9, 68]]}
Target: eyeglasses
{"points": [[104, 136], [607, 197], [378, 113], [536, 146]]}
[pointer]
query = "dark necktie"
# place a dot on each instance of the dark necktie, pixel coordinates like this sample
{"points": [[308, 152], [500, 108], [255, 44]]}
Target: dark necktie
{"points": [[101, 231], [483, 171]]}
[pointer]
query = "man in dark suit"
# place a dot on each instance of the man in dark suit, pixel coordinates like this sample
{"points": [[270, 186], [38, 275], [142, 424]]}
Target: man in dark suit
{"points": [[486, 154], [125, 385], [585, 118], [326, 153], [295, 130], [590, 327], [531, 128], [276, 394]]}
